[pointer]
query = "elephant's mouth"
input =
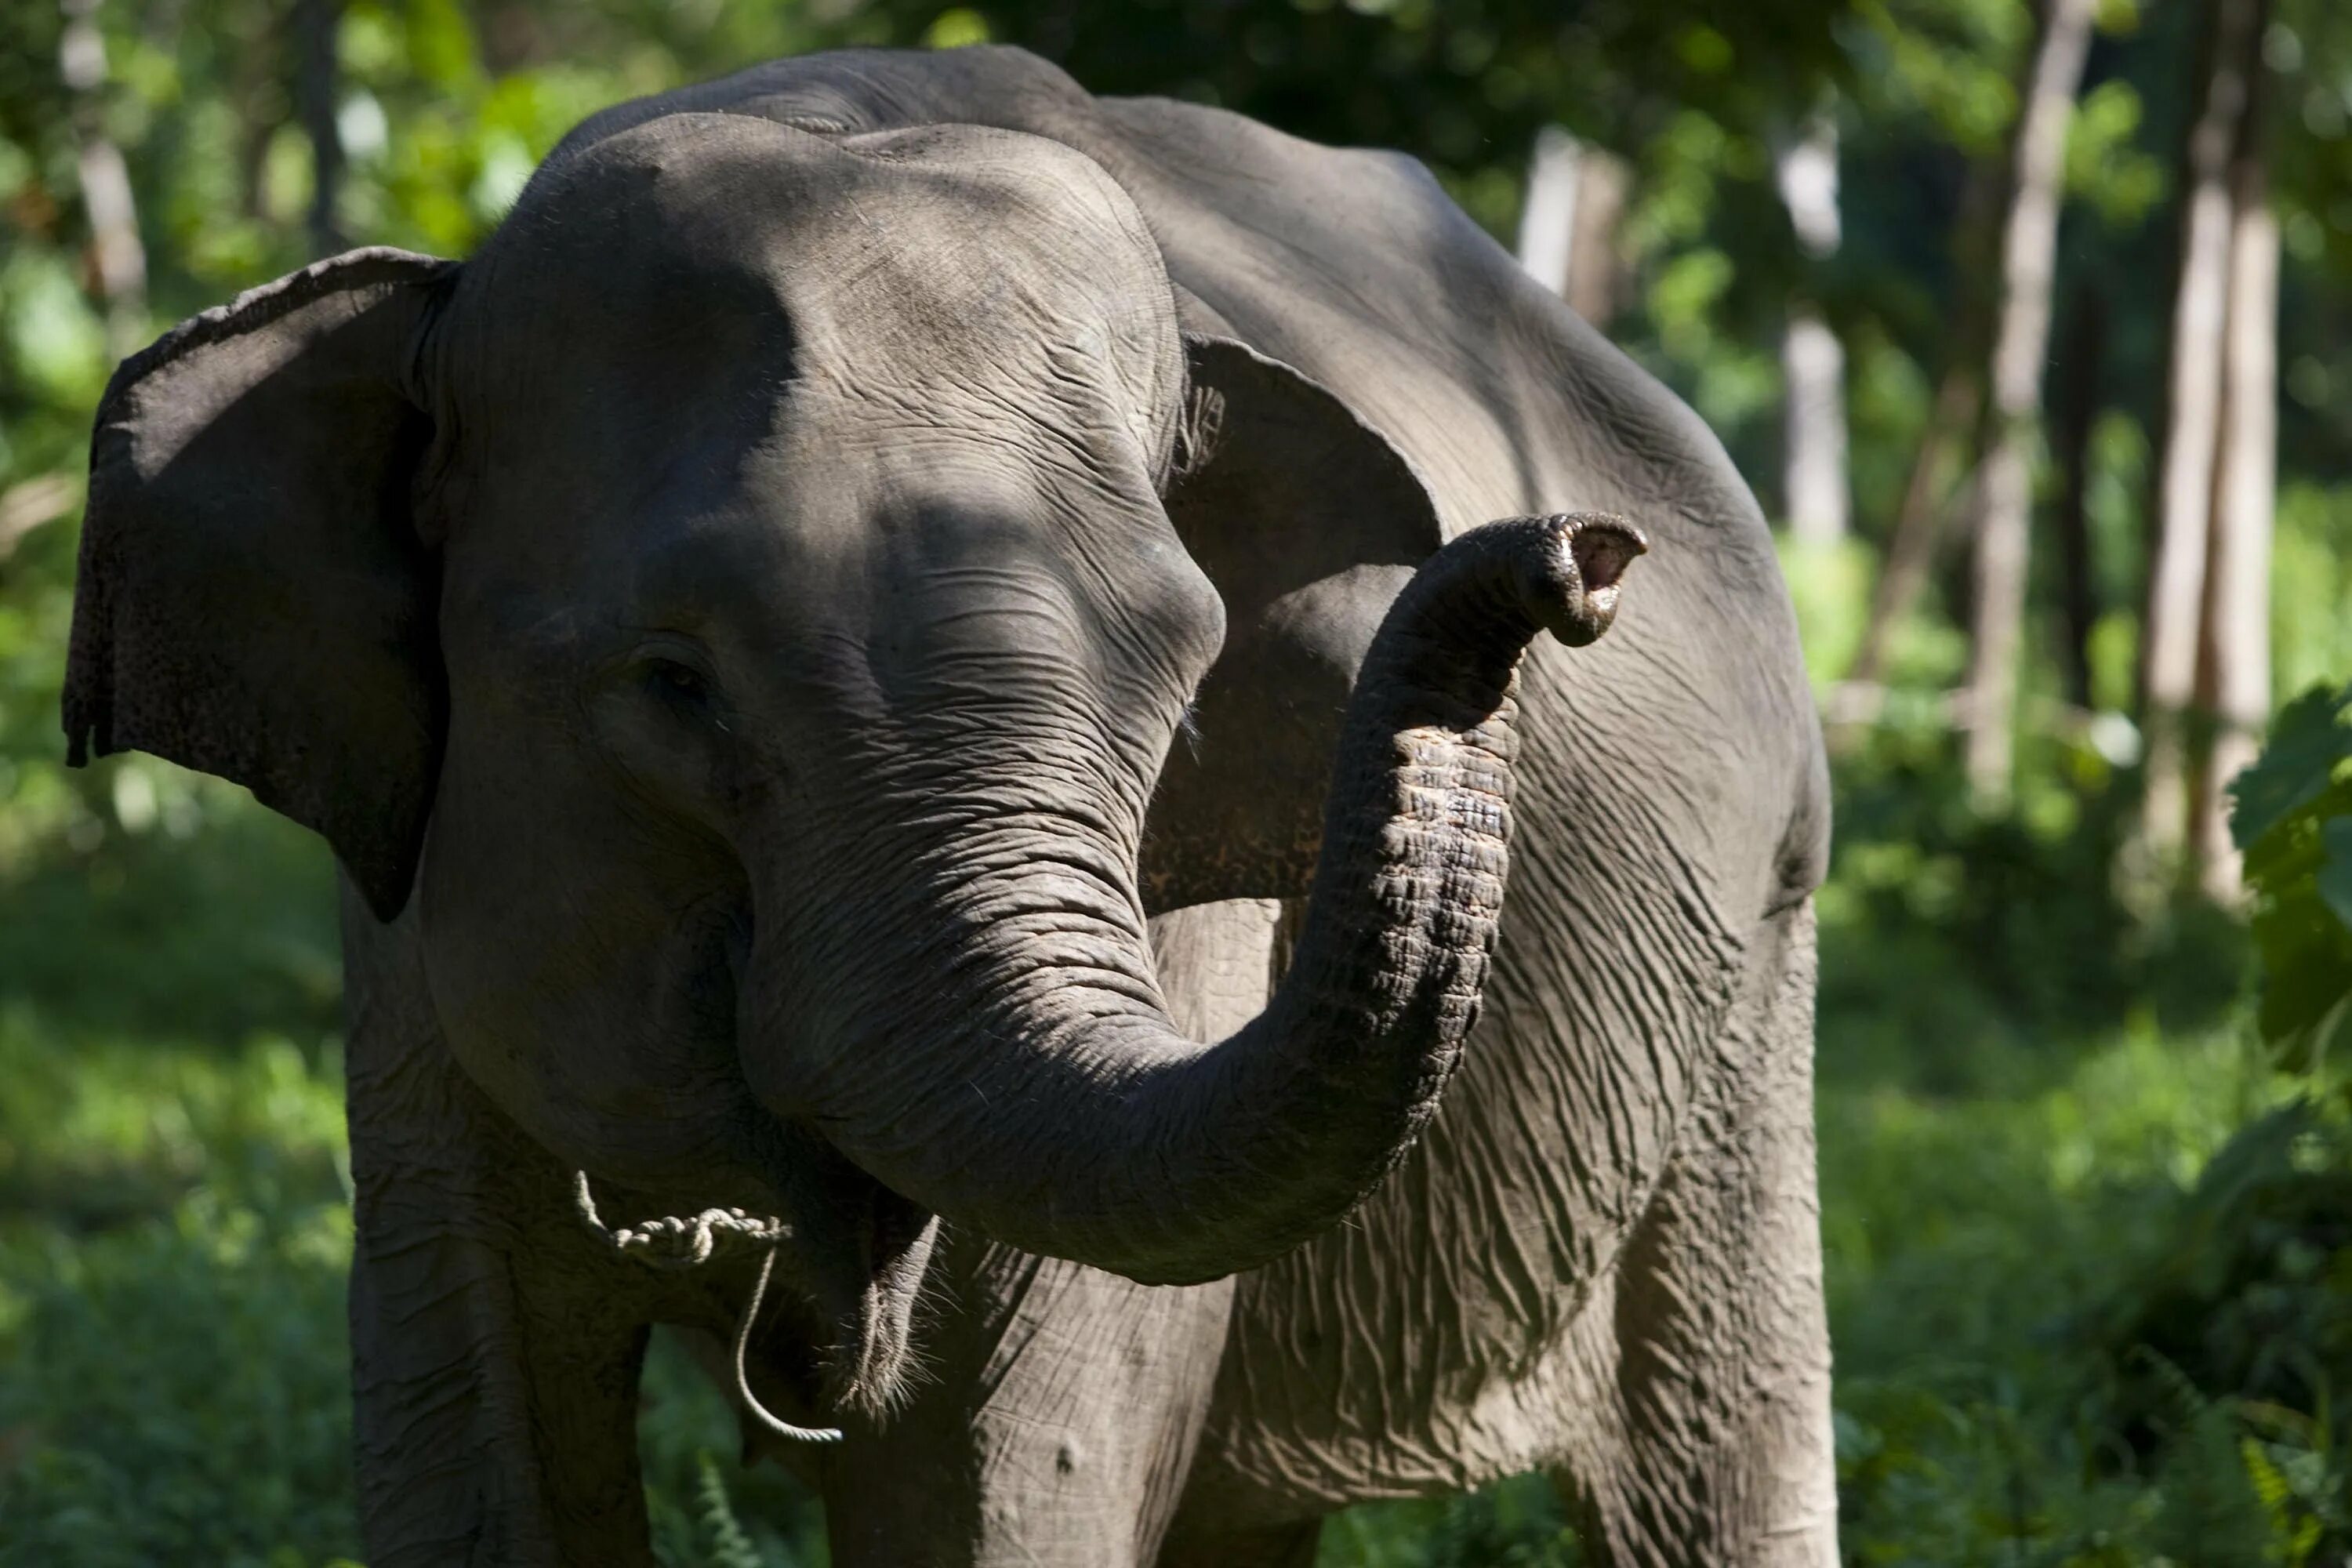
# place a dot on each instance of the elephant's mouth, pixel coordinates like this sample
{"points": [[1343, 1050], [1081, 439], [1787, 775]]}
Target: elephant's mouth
{"points": [[860, 1250], [857, 1262], [857, 1249]]}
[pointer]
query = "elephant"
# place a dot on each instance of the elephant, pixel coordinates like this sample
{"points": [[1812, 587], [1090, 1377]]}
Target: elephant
{"points": [[962, 665]]}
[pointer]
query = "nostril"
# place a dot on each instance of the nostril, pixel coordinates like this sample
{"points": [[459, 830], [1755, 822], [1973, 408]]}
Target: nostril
{"points": [[1564, 569], [1602, 548]]}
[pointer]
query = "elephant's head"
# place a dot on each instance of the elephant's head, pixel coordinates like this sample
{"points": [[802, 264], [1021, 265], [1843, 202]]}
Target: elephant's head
{"points": [[741, 608]]}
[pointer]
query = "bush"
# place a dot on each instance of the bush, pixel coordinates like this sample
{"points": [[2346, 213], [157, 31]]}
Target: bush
{"points": [[173, 1238]]}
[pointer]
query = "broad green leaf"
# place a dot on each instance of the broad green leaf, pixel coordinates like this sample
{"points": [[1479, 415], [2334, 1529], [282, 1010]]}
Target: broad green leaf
{"points": [[2308, 741], [2334, 879]]}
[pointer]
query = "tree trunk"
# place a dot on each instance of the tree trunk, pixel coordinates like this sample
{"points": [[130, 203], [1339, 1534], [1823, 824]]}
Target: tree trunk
{"points": [[2028, 259], [1928, 498], [117, 257], [2193, 433], [1812, 360], [1568, 225], [28, 503], [1933, 493], [2078, 410], [316, 23], [2237, 644], [1547, 216], [1596, 274]]}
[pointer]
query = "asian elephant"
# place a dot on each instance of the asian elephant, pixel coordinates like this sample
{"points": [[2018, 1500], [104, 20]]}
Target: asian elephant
{"points": [[763, 637]]}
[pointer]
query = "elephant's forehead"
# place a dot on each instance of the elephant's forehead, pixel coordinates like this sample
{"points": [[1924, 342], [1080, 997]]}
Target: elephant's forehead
{"points": [[938, 253]]}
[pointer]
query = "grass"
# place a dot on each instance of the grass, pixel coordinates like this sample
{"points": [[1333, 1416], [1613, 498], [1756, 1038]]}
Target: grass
{"points": [[175, 1233]]}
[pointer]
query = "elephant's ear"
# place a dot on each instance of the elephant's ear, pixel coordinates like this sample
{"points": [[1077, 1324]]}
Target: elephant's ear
{"points": [[254, 599], [1309, 521]]}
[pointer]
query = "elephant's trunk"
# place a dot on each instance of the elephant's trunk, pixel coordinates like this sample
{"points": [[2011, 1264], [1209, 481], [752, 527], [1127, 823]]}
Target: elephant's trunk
{"points": [[1056, 1107]]}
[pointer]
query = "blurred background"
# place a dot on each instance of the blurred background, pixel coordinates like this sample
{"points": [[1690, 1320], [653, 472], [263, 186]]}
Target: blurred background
{"points": [[2032, 328]]}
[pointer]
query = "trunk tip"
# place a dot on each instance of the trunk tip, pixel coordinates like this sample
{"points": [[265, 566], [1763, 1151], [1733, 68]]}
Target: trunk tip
{"points": [[1570, 580]]}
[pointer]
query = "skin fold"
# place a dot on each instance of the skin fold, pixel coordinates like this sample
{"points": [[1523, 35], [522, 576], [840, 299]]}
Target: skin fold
{"points": [[915, 650]]}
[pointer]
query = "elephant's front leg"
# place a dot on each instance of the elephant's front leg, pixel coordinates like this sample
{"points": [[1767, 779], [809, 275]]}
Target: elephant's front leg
{"points": [[1056, 1415], [1723, 1452], [494, 1362]]}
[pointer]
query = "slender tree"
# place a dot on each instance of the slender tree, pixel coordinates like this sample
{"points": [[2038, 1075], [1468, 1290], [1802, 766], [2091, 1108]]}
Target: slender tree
{"points": [[2200, 309], [1812, 360], [1596, 268], [1547, 215], [2077, 411], [118, 258], [316, 23], [1942, 464], [1568, 224], [2029, 261], [2234, 685]]}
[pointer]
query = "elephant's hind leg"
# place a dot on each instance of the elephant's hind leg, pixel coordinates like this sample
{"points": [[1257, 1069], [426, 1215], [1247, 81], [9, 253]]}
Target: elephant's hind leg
{"points": [[1722, 1378]]}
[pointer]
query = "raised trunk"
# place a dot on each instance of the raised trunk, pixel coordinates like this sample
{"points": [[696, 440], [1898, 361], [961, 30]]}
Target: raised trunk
{"points": [[1055, 1107]]}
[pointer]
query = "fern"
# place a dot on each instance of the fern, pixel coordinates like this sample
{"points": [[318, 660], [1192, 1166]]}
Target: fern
{"points": [[729, 1546], [2294, 1530]]}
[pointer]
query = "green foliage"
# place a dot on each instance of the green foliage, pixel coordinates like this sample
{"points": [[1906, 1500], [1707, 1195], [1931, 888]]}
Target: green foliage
{"points": [[2311, 587], [2292, 815], [2002, 1274], [2016, 916], [706, 1510], [729, 1547], [173, 1238], [2232, 1338], [1520, 1523]]}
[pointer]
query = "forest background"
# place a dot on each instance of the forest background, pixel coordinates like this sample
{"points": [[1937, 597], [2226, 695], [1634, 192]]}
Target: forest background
{"points": [[2031, 324]]}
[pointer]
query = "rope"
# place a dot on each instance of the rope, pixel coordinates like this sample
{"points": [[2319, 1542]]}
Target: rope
{"points": [[672, 1243], [675, 1243]]}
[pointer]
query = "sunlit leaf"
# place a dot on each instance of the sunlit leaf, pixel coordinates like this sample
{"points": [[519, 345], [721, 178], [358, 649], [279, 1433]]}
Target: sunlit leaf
{"points": [[2308, 741]]}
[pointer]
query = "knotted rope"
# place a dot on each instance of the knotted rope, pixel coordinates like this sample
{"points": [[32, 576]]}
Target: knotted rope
{"points": [[675, 1243]]}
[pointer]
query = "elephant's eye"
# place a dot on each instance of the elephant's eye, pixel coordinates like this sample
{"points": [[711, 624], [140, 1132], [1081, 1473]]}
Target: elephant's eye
{"points": [[681, 685]]}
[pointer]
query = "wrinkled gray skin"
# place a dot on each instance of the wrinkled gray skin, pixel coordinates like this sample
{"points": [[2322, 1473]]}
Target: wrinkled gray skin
{"points": [[764, 634]]}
